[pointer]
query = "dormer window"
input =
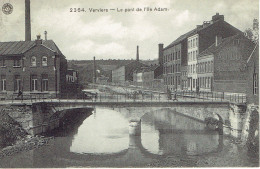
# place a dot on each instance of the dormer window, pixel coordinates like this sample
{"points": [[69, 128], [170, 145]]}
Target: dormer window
{"points": [[2, 62], [44, 61], [33, 61], [17, 63]]}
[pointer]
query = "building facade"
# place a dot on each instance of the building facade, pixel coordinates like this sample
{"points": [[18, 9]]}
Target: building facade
{"points": [[190, 45], [252, 70], [32, 67], [220, 67], [147, 77], [72, 81], [124, 74]]}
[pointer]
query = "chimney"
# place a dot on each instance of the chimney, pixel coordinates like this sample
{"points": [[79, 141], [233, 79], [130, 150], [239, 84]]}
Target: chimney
{"points": [[160, 56], [38, 41], [255, 24], [94, 70], [218, 40], [217, 17], [45, 33], [205, 23], [27, 21], [137, 53]]}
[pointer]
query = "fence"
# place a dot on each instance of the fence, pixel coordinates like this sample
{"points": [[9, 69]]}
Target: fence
{"points": [[138, 97]]}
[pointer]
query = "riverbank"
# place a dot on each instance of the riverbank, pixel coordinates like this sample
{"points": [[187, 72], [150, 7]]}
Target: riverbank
{"points": [[233, 154], [13, 138]]}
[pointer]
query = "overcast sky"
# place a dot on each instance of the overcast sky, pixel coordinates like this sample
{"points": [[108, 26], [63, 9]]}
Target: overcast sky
{"points": [[114, 35]]}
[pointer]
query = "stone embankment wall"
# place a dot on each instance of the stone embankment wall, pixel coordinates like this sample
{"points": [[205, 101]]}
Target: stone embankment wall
{"points": [[250, 130], [10, 130]]}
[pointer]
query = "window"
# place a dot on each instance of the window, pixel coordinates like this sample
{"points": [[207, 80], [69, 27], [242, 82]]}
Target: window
{"points": [[33, 61], [3, 83], [34, 83], [44, 61], [44, 82], [193, 42], [212, 66], [255, 84], [179, 55], [2, 62], [194, 83], [197, 42], [17, 62], [17, 83]]}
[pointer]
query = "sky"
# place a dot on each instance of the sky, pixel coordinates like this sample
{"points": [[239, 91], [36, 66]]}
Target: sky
{"points": [[113, 34]]}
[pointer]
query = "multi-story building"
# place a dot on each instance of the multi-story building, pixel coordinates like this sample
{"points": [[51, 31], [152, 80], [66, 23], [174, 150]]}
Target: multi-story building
{"points": [[220, 67], [252, 69], [123, 75], [33, 67], [145, 76], [185, 49], [72, 81], [172, 66]]}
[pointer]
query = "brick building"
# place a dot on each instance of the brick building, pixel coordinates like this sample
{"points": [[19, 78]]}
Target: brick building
{"points": [[123, 75], [145, 76], [252, 70], [184, 51], [220, 67], [34, 67], [72, 81]]}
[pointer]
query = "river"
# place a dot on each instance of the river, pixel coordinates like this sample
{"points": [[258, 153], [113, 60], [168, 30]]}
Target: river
{"points": [[102, 139]]}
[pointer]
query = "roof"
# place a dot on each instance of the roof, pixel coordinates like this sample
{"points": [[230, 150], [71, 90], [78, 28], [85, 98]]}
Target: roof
{"points": [[213, 48], [195, 31], [20, 47], [181, 38], [147, 69]]}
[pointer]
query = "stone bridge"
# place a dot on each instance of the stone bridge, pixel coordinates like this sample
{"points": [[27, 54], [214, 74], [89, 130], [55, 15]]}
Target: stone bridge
{"points": [[46, 115]]}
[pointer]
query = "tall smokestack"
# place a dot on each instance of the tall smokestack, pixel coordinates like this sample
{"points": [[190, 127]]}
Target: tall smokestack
{"points": [[137, 53], [27, 21], [45, 33], [94, 70], [160, 55]]}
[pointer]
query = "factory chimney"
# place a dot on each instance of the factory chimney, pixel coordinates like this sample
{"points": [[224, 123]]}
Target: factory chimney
{"points": [[45, 33], [160, 58], [94, 70], [137, 53], [27, 21]]}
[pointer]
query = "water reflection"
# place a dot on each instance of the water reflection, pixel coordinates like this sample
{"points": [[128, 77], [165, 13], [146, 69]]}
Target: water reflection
{"points": [[106, 131], [103, 140]]}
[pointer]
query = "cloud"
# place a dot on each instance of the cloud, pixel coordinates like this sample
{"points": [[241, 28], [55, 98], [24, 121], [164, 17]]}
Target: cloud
{"points": [[183, 18], [115, 35]]}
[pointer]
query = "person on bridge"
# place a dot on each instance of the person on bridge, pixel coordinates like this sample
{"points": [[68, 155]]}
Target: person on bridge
{"points": [[20, 94], [175, 96]]}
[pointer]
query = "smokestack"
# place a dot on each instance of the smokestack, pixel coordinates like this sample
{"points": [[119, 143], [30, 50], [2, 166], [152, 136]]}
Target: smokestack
{"points": [[160, 56], [218, 40], [137, 53], [94, 71], [45, 33], [27, 21]]}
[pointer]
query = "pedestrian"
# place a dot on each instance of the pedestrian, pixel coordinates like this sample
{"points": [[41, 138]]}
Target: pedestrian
{"points": [[175, 96], [20, 93]]}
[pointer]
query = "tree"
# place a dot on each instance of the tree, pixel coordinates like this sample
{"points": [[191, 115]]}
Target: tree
{"points": [[253, 33]]}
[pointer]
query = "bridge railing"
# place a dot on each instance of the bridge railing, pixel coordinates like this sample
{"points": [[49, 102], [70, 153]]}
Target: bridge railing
{"points": [[138, 97]]}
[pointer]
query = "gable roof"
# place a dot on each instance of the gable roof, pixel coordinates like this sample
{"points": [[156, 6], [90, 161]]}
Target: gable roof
{"points": [[213, 48], [20, 47], [197, 30]]}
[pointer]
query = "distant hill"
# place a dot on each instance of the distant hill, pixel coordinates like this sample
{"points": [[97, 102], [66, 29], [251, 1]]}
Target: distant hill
{"points": [[85, 67]]}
